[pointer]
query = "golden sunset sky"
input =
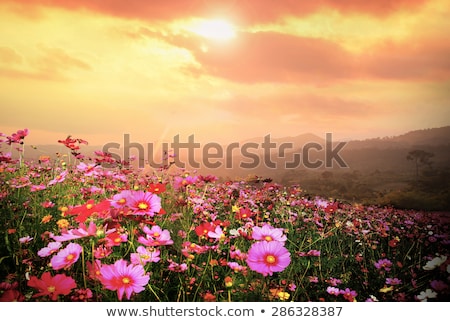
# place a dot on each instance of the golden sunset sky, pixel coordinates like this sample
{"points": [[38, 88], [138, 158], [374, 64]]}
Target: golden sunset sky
{"points": [[222, 70]]}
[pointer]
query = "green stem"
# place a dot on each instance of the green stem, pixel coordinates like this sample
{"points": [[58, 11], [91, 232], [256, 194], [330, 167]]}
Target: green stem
{"points": [[83, 267]]}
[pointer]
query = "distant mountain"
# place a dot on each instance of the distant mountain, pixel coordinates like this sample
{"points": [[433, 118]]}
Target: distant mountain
{"points": [[387, 153], [375, 154], [425, 137]]}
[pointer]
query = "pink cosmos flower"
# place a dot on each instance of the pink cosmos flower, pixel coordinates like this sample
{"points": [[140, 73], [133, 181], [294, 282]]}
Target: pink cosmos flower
{"points": [[144, 256], [312, 253], [393, 281], [121, 199], [217, 234], [349, 294], [102, 251], [144, 203], [82, 231], [38, 187], [187, 248], [47, 204], [51, 248], [268, 257], [237, 254], [180, 183], [123, 278], [333, 290], [383, 264], [59, 178], [88, 169], [155, 236], [268, 233], [94, 269], [313, 279], [17, 137], [236, 266], [26, 239], [175, 267], [334, 281], [67, 256]]}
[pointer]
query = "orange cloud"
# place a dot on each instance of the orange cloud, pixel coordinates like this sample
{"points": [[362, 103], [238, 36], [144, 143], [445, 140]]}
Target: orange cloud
{"points": [[268, 57], [425, 59], [275, 57], [246, 11]]}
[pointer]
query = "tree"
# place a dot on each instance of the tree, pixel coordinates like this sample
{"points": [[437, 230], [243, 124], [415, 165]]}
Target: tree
{"points": [[420, 158]]}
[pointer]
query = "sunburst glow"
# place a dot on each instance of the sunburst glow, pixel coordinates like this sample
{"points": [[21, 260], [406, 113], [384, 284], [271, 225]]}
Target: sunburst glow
{"points": [[215, 29]]}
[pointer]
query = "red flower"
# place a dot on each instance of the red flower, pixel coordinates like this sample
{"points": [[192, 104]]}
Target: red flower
{"points": [[115, 239], [157, 188], [72, 143], [12, 296], [204, 228], [244, 213], [394, 242], [89, 209], [52, 286], [208, 297]]}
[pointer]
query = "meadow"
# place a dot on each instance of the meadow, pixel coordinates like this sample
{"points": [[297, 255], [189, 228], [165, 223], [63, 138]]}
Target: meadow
{"points": [[90, 228]]}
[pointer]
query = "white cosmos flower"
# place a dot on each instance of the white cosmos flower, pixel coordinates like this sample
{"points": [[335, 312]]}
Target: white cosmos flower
{"points": [[435, 262], [428, 294]]}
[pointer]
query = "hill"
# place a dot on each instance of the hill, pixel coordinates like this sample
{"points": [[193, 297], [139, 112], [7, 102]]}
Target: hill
{"points": [[375, 170]]}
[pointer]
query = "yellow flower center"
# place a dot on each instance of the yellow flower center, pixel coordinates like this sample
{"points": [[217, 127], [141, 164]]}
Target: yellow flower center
{"points": [[126, 280], [89, 206], [69, 257], [122, 201], [51, 289], [156, 234], [268, 238], [270, 259], [142, 205]]}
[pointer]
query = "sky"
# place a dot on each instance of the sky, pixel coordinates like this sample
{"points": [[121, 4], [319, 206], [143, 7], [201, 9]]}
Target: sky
{"points": [[222, 71]]}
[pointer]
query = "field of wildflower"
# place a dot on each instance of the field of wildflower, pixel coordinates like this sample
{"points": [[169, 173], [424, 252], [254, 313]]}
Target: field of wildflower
{"points": [[91, 228]]}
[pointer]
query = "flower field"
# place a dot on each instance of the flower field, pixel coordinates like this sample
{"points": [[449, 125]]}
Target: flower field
{"points": [[90, 228]]}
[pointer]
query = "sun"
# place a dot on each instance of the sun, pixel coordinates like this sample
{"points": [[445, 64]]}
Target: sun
{"points": [[214, 29]]}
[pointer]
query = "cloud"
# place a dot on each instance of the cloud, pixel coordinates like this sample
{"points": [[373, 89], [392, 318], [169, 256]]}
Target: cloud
{"points": [[9, 56], [425, 59], [311, 105], [244, 11], [53, 64], [274, 57], [58, 59], [268, 57]]}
